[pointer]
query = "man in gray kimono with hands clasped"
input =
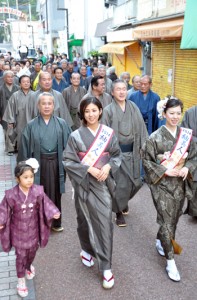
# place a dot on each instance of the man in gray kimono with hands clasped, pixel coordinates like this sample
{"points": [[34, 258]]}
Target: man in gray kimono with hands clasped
{"points": [[127, 122]]}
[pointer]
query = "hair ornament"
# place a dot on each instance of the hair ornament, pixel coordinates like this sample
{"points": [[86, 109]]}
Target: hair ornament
{"points": [[32, 162], [161, 105]]}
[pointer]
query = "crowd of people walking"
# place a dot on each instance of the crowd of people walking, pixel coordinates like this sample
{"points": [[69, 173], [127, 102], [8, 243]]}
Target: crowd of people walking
{"points": [[109, 135]]}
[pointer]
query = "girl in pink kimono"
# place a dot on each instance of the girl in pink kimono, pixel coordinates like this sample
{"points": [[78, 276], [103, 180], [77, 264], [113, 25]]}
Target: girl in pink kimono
{"points": [[26, 214]]}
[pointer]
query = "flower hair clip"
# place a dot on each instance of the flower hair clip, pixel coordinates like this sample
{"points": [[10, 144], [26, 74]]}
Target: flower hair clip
{"points": [[32, 162], [161, 105]]}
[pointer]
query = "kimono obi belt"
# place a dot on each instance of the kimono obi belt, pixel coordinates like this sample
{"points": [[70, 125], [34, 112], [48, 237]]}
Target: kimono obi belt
{"points": [[102, 160], [126, 148], [49, 156]]}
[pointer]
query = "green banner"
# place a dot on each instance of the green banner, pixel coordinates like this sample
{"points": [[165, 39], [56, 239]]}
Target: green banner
{"points": [[189, 35]]}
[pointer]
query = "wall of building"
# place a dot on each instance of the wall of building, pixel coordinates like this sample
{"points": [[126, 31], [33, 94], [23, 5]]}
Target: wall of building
{"points": [[22, 34], [174, 71], [159, 8]]}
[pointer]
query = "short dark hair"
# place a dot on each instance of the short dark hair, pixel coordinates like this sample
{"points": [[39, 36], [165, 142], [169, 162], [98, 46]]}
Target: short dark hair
{"points": [[84, 103], [58, 68], [21, 168], [94, 80], [23, 76], [173, 102]]}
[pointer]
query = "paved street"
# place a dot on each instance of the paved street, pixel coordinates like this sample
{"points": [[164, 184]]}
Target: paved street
{"points": [[139, 271]]}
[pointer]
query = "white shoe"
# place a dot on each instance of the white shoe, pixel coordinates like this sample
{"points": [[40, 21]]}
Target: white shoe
{"points": [[159, 248], [30, 274], [21, 288], [108, 283], [86, 259], [172, 270]]}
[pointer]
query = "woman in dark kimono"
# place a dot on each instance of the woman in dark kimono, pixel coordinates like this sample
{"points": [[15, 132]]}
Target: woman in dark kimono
{"points": [[169, 159], [93, 184]]}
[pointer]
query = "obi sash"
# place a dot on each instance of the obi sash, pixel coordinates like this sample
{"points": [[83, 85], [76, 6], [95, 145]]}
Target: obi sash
{"points": [[96, 155], [179, 150]]}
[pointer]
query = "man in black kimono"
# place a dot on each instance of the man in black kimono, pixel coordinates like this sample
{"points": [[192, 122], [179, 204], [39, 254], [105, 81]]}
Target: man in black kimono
{"points": [[45, 138]]}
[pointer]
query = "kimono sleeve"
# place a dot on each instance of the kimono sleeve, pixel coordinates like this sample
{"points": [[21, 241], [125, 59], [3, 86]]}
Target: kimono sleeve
{"points": [[66, 133], [191, 161], [4, 212], [64, 113], [5, 218], [9, 114], [72, 164], [105, 117], [49, 208], [24, 151], [154, 170], [115, 155], [189, 122]]}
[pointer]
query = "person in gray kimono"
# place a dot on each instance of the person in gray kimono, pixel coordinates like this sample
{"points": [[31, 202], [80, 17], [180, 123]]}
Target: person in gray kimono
{"points": [[45, 138], [108, 81], [94, 186], [98, 90], [60, 107], [73, 96], [6, 91], [190, 121], [16, 113], [126, 120], [170, 160]]}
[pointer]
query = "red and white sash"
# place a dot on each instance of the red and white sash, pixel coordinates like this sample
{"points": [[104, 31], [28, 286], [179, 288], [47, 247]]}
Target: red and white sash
{"points": [[98, 146], [182, 144]]}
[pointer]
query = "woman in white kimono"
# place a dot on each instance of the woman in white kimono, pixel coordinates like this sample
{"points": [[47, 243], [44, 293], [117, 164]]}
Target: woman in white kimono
{"points": [[91, 158], [169, 159]]}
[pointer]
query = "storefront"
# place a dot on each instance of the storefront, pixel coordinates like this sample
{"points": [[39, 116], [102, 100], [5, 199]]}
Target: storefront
{"points": [[126, 56], [174, 71]]}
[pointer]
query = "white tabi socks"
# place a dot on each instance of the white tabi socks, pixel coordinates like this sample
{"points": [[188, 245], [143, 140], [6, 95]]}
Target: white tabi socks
{"points": [[172, 271]]}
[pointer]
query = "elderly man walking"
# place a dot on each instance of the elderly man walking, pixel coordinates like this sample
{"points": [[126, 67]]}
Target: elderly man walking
{"points": [[146, 100], [16, 113], [125, 119], [72, 96], [6, 91], [45, 138]]}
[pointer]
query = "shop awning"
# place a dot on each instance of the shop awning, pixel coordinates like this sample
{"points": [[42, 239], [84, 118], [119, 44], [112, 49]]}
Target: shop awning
{"points": [[189, 37], [102, 27], [74, 42], [159, 30], [117, 48]]}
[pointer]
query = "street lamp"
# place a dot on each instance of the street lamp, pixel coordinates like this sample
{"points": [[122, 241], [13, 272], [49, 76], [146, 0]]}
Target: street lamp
{"points": [[32, 30]]}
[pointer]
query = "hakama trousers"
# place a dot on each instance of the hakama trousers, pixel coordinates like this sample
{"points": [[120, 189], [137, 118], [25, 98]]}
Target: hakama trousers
{"points": [[24, 259], [49, 178]]}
